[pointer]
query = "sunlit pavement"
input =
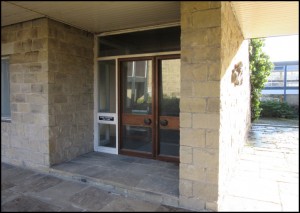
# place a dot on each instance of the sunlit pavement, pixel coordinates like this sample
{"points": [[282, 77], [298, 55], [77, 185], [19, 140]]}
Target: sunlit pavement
{"points": [[267, 175]]}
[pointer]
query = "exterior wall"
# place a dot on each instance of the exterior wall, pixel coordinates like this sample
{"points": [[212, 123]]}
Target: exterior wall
{"points": [[71, 99], [24, 141], [215, 114], [51, 76], [235, 117]]}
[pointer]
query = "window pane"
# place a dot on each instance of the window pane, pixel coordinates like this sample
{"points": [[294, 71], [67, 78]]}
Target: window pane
{"points": [[169, 142], [107, 86], [169, 90], [292, 68], [5, 82], [148, 41], [279, 68], [276, 79], [107, 135], [137, 86], [137, 138], [292, 79]]}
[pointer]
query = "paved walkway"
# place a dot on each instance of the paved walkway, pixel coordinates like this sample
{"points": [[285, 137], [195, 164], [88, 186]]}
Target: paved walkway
{"points": [[23, 190], [266, 179], [267, 175]]}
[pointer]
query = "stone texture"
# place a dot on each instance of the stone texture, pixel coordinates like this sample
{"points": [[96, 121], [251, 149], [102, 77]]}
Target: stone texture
{"points": [[190, 137], [51, 67], [235, 100], [23, 44], [71, 65], [91, 198], [27, 204], [211, 43]]}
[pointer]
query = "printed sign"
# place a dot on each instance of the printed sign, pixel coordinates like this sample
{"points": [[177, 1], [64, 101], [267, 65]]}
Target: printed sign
{"points": [[106, 118]]}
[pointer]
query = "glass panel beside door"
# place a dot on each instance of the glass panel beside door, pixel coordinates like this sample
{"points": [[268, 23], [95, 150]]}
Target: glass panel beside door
{"points": [[106, 135]]}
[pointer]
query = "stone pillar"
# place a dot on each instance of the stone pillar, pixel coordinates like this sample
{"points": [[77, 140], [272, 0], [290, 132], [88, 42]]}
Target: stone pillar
{"points": [[208, 54], [51, 89], [199, 103]]}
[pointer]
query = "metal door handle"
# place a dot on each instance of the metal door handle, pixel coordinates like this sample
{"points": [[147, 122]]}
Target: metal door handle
{"points": [[163, 122], [147, 121]]}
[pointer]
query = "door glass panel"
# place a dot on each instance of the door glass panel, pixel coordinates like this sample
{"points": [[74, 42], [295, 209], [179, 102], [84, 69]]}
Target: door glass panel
{"points": [[107, 86], [169, 97], [169, 142], [137, 138], [169, 89], [107, 135], [137, 87]]}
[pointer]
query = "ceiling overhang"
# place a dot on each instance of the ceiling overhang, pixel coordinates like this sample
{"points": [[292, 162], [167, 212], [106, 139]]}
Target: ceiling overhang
{"points": [[267, 18], [256, 19]]}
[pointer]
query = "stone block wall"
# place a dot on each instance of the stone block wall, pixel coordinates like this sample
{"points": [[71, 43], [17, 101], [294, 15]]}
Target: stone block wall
{"points": [[24, 140], [71, 100], [215, 114], [235, 119], [199, 104], [51, 91]]}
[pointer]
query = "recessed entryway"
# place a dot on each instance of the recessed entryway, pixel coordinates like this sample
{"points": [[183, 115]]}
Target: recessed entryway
{"points": [[137, 93]]}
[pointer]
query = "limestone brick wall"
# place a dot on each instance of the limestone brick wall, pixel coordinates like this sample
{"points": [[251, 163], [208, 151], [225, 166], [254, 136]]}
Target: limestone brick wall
{"points": [[200, 104], [235, 100], [70, 92], [24, 140], [215, 114], [51, 91]]}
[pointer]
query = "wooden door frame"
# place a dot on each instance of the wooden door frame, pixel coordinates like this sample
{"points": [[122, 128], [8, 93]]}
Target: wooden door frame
{"points": [[120, 85], [155, 107]]}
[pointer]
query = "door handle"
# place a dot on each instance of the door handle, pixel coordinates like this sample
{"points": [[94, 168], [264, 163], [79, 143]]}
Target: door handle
{"points": [[163, 122], [147, 121]]}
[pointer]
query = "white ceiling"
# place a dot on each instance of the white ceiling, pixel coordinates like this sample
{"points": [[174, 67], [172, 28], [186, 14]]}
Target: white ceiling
{"points": [[256, 18], [267, 18], [94, 16]]}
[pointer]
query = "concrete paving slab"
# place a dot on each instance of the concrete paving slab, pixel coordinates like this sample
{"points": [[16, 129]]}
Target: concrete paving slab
{"points": [[37, 183], [121, 204], [8, 195], [27, 204], [123, 178], [267, 175], [91, 198], [62, 191], [160, 184]]}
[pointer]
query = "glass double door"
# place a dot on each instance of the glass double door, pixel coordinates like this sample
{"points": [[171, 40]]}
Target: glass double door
{"points": [[149, 107]]}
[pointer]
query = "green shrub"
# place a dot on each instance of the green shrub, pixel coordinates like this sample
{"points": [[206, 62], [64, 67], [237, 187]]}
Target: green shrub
{"points": [[277, 109], [260, 68]]}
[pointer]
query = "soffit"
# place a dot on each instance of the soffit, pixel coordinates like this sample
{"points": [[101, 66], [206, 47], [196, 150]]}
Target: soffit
{"points": [[267, 18], [256, 18], [96, 16]]}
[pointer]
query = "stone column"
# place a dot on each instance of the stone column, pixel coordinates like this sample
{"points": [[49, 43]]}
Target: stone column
{"points": [[199, 104], [210, 42]]}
